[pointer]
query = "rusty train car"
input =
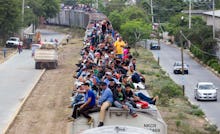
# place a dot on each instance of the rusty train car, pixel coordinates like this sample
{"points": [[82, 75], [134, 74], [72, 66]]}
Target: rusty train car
{"points": [[76, 18]]}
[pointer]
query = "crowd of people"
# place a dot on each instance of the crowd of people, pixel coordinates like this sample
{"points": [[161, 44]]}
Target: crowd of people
{"points": [[106, 76]]}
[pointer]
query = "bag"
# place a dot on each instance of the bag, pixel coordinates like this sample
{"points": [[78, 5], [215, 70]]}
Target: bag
{"points": [[142, 104]]}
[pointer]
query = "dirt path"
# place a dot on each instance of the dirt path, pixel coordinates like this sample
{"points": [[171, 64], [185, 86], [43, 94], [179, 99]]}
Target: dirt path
{"points": [[45, 111]]}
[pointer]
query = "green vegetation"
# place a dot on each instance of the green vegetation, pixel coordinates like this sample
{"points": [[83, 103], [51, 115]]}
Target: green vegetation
{"points": [[44, 8], [163, 9], [211, 128], [10, 13]]}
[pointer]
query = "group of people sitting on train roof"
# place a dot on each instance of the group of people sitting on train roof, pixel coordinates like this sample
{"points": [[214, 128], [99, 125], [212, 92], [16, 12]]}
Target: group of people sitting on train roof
{"points": [[107, 76]]}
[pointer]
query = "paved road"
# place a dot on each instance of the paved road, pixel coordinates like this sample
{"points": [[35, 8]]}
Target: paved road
{"points": [[17, 76], [168, 55]]}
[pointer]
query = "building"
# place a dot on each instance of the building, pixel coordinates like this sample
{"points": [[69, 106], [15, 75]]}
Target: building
{"points": [[208, 17]]}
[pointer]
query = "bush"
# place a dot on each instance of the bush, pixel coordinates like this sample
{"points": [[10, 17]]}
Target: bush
{"points": [[178, 123], [172, 90], [211, 128], [196, 111], [210, 62]]}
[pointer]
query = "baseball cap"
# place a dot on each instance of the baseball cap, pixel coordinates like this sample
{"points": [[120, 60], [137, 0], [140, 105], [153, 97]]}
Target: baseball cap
{"points": [[102, 83], [108, 73]]}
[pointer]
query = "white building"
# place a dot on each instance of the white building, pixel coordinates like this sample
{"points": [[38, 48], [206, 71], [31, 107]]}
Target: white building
{"points": [[208, 17]]}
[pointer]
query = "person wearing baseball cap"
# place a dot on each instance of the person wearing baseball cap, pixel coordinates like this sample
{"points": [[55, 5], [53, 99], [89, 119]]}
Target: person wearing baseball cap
{"points": [[104, 102]]}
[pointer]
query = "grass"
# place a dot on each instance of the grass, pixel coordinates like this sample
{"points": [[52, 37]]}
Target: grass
{"points": [[180, 116]]}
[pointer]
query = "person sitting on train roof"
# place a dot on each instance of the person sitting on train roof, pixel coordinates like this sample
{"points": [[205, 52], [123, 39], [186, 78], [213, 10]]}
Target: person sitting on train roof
{"points": [[108, 77], [112, 85], [90, 102], [78, 95], [120, 100], [136, 78], [104, 102]]}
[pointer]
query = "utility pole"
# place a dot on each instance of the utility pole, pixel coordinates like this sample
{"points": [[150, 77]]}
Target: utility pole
{"points": [[152, 11], [190, 13], [158, 37], [182, 61], [22, 18], [213, 18]]}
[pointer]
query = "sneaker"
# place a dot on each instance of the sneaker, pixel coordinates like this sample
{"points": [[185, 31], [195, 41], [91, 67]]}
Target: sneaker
{"points": [[90, 121], [70, 119], [134, 115], [101, 124]]}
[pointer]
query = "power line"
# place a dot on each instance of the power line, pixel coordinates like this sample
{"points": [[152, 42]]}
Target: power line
{"points": [[197, 47]]}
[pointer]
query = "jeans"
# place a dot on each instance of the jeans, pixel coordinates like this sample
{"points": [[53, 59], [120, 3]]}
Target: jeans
{"points": [[77, 99], [79, 73], [119, 105], [145, 98]]}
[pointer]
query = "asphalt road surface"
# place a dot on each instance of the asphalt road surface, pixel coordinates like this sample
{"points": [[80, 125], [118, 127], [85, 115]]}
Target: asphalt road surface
{"points": [[197, 73], [17, 76]]}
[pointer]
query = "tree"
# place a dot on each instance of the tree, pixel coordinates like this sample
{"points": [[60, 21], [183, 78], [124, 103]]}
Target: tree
{"points": [[69, 2], [164, 9], [36, 6], [114, 5], [116, 20], [44, 8], [10, 13], [217, 2], [133, 13], [50, 8], [134, 31]]}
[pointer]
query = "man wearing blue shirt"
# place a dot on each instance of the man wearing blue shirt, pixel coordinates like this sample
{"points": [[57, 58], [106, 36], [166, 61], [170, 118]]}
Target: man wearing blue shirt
{"points": [[104, 102], [90, 101]]}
